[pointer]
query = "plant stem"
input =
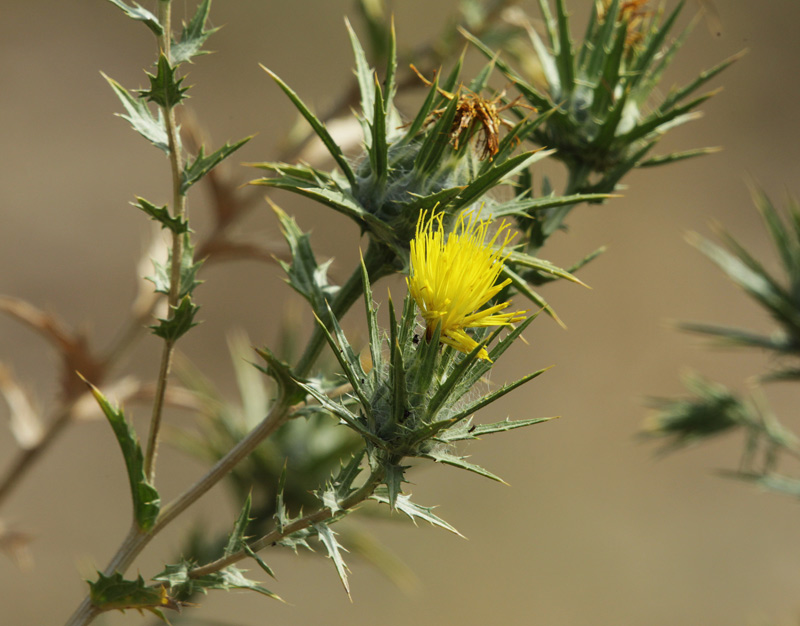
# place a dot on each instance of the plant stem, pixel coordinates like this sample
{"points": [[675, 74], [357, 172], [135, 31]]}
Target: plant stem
{"points": [[135, 542], [178, 210], [131, 546], [355, 498]]}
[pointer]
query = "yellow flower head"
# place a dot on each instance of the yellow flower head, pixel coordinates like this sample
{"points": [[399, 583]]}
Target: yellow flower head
{"points": [[452, 278]]}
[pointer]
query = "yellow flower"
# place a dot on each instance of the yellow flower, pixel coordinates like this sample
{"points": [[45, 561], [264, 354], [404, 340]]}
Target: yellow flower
{"points": [[451, 279]]}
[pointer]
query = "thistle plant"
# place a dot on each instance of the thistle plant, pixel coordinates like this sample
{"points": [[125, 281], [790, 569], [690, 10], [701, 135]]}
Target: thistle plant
{"points": [[444, 196], [596, 105], [713, 409]]}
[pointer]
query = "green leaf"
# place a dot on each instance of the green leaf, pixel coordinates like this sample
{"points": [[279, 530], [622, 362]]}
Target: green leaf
{"points": [[395, 477], [140, 116], [677, 156], [414, 511], [436, 140], [729, 336], [179, 323], [712, 410], [354, 421], [372, 323], [146, 501], [261, 563], [496, 174], [378, 150], [564, 56], [319, 128], [162, 279], [746, 272], [475, 431], [474, 407], [114, 593], [522, 286], [422, 115], [184, 586], [348, 359], [193, 36], [675, 97], [773, 482], [202, 164], [237, 539], [325, 192], [140, 14], [177, 224], [441, 456], [281, 373], [165, 88], [305, 276], [364, 75], [334, 548]]}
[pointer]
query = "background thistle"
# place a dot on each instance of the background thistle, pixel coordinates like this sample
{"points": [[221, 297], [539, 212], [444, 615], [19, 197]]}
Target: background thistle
{"points": [[616, 343]]}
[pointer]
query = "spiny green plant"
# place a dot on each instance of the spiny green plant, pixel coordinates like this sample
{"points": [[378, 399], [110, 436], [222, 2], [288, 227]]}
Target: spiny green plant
{"points": [[426, 189]]}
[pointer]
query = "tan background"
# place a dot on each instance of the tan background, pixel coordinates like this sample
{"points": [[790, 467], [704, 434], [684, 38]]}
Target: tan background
{"points": [[594, 530]]}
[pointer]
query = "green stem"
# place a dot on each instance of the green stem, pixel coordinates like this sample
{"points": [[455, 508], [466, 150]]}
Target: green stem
{"points": [[179, 210], [130, 548], [321, 515], [135, 542], [378, 261]]}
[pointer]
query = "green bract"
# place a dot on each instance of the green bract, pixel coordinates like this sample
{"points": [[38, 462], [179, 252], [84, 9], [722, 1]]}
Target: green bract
{"points": [[411, 402], [405, 169], [598, 95]]}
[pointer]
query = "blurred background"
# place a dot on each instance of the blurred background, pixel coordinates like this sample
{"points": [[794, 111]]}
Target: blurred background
{"points": [[595, 527]]}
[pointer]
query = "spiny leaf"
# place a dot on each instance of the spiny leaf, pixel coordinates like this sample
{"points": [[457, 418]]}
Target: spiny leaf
{"points": [[436, 140], [395, 477], [193, 36], [475, 431], [364, 75], [304, 274], [237, 539], [183, 585], [261, 563], [677, 156], [343, 413], [146, 501], [457, 461], [140, 116], [773, 482], [162, 215], [328, 539], [181, 321], [162, 279], [564, 56], [202, 164], [140, 14], [319, 128], [474, 407], [114, 593], [493, 176], [414, 511], [331, 196], [281, 373], [165, 88]]}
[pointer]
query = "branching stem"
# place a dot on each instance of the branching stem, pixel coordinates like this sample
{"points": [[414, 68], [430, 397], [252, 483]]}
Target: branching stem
{"points": [[321, 515]]}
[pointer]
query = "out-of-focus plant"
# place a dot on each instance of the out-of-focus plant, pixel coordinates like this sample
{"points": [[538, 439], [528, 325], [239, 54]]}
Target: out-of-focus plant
{"points": [[443, 195], [712, 409]]}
